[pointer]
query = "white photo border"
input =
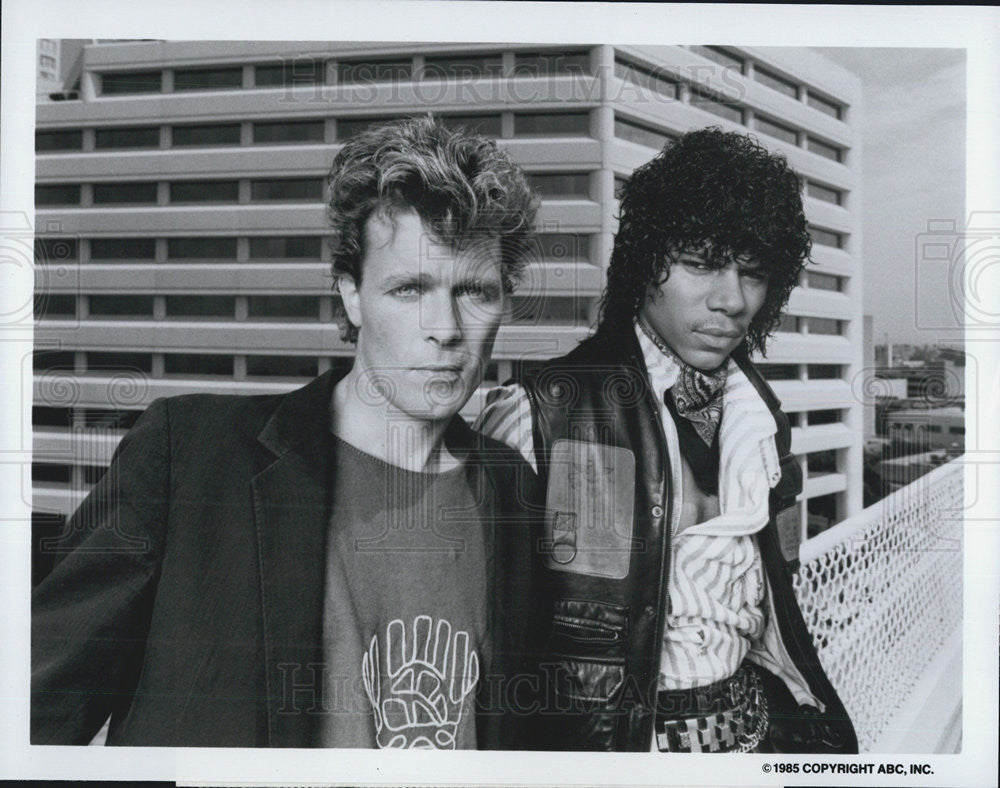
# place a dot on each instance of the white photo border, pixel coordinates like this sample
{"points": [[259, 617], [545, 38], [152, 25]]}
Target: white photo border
{"points": [[975, 29]]}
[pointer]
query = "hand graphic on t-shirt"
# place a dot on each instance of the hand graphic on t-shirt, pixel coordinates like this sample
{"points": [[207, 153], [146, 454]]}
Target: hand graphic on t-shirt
{"points": [[427, 684]]}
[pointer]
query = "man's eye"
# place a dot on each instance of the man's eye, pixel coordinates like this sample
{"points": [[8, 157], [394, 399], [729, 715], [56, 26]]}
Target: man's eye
{"points": [[481, 293], [755, 274], [406, 291]]}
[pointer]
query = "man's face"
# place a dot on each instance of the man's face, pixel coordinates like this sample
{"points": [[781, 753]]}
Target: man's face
{"points": [[427, 314], [703, 310]]}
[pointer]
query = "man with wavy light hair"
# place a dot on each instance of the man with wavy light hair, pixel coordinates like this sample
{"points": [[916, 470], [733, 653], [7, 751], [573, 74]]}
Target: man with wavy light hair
{"points": [[664, 457], [339, 566]]}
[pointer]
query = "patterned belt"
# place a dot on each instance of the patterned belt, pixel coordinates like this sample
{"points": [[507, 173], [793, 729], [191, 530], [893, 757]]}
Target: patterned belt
{"points": [[727, 716]]}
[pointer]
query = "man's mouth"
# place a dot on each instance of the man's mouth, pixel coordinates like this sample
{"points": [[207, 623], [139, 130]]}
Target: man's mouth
{"points": [[448, 374], [719, 333], [442, 368]]}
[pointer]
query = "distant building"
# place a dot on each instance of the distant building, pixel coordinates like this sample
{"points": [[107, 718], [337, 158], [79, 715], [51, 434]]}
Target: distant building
{"points": [[939, 382], [48, 56], [60, 63], [893, 388], [928, 430], [954, 354], [868, 362], [882, 355], [890, 396]]}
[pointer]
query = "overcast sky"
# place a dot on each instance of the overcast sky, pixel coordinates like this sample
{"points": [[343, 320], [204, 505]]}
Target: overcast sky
{"points": [[913, 172]]}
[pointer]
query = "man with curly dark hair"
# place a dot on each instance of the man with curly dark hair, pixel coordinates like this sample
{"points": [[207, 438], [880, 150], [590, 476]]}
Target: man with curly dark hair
{"points": [[340, 566], [670, 621]]}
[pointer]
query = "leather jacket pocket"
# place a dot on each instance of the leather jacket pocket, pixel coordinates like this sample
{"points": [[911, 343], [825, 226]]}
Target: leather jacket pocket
{"points": [[587, 643]]}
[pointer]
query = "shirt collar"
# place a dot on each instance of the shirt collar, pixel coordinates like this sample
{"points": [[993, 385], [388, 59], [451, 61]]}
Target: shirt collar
{"points": [[663, 367]]}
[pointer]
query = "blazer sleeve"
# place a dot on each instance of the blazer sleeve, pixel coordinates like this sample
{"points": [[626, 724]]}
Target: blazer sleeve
{"points": [[90, 615]]}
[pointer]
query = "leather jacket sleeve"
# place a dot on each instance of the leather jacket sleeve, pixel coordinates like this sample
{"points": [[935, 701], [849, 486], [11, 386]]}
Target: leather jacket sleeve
{"points": [[796, 728]]}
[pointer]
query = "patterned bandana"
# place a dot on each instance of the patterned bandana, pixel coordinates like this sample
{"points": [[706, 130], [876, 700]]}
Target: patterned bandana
{"points": [[697, 395]]}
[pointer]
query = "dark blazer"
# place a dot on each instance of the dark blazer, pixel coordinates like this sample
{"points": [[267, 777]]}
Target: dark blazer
{"points": [[187, 600]]}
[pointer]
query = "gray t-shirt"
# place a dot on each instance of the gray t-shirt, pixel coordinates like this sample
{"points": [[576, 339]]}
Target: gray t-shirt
{"points": [[404, 617]]}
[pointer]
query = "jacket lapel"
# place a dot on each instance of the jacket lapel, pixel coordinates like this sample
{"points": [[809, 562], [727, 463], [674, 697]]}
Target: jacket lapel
{"points": [[465, 445], [507, 545], [290, 500]]}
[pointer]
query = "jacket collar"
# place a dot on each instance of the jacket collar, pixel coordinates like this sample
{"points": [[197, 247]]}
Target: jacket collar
{"points": [[742, 358], [295, 423]]}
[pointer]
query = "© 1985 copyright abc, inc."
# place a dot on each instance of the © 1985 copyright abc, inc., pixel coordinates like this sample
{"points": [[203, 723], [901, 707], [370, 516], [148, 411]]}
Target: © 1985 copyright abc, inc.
{"points": [[846, 768]]}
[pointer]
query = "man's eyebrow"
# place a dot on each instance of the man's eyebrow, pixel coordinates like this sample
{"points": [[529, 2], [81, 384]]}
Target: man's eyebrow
{"points": [[697, 254], [699, 257], [412, 278], [482, 280]]}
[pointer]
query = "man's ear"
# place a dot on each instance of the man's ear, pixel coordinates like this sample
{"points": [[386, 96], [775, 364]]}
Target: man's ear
{"points": [[349, 296]]}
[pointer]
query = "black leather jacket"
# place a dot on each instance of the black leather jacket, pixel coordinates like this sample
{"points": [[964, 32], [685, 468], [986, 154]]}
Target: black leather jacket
{"points": [[602, 612]]}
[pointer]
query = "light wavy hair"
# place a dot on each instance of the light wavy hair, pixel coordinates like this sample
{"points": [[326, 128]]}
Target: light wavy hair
{"points": [[461, 185]]}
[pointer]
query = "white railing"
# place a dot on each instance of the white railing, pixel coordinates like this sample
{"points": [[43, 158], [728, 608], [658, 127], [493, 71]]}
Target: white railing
{"points": [[881, 594]]}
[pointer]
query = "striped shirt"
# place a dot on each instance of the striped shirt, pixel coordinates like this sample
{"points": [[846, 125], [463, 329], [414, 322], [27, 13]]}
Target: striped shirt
{"points": [[717, 595], [716, 586]]}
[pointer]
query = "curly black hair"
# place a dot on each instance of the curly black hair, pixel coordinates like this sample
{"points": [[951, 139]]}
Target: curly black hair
{"points": [[712, 190], [462, 186]]}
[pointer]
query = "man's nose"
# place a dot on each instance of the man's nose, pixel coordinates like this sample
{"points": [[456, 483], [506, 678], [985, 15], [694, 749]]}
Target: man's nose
{"points": [[441, 320], [726, 294]]}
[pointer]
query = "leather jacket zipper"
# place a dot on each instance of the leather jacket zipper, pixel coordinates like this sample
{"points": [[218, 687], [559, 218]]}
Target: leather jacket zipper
{"points": [[587, 631]]}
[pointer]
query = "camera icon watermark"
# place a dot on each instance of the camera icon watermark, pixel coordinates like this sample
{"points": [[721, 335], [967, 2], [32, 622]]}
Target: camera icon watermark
{"points": [[38, 267], [16, 269], [963, 267]]}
